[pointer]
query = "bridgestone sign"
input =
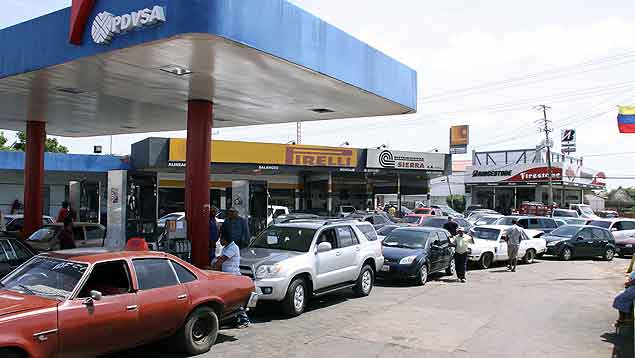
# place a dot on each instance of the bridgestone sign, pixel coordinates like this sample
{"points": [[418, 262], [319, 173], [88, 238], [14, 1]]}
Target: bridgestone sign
{"points": [[106, 25]]}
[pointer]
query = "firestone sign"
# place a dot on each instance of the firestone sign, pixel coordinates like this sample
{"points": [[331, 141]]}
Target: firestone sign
{"points": [[106, 25]]}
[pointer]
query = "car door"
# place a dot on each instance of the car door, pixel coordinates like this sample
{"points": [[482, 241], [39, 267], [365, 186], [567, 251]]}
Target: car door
{"points": [[583, 243], [446, 253], [501, 248], [162, 302], [598, 242], [94, 235], [93, 327], [435, 252], [5, 266], [348, 243], [329, 264]]}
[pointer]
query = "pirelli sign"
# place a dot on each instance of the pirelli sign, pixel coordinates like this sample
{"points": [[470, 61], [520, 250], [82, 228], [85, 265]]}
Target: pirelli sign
{"points": [[269, 154]]}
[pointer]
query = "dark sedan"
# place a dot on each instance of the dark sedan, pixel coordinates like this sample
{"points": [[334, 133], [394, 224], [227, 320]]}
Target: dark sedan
{"points": [[13, 253], [571, 241], [416, 252]]}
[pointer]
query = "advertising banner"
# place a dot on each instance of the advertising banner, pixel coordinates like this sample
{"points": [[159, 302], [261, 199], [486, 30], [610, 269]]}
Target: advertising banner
{"points": [[392, 159], [568, 140], [233, 152], [459, 139], [520, 173]]}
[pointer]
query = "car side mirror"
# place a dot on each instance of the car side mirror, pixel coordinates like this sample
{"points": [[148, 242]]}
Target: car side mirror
{"points": [[324, 247], [94, 296], [436, 244]]}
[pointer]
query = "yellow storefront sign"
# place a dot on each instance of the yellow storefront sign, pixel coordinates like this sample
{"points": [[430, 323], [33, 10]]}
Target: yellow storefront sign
{"points": [[270, 154]]}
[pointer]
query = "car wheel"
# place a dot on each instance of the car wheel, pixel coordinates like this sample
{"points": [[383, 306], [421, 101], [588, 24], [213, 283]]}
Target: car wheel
{"points": [[295, 301], [609, 253], [529, 256], [422, 276], [198, 334], [451, 270], [364, 282], [486, 260], [566, 254]]}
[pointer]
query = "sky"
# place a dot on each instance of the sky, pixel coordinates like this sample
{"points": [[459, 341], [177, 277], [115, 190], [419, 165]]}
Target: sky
{"points": [[484, 63]]}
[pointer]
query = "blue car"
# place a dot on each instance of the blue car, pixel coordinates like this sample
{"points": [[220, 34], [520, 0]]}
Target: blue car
{"points": [[413, 253]]}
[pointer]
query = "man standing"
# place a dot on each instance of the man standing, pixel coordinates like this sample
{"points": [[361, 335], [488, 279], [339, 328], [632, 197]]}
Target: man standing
{"points": [[229, 262], [213, 233], [235, 229], [63, 213], [513, 236], [460, 242], [451, 226]]}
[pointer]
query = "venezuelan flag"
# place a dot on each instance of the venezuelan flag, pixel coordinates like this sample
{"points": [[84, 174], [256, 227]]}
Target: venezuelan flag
{"points": [[626, 119]]}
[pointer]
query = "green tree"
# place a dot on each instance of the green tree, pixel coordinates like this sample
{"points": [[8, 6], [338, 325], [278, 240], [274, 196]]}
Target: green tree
{"points": [[456, 202], [3, 142], [51, 145]]}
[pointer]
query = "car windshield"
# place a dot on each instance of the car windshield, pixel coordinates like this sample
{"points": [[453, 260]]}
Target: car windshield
{"points": [[435, 222], [411, 219], [565, 213], [565, 231], [575, 221], [485, 233], [46, 277], [600, 223], [410, 239], [487, 220], [505, 221], [386, 230], [285, 238], [43, 235]]}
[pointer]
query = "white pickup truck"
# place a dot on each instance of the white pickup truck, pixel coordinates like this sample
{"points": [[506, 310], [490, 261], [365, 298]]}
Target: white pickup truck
{"points": [[489, 246]]}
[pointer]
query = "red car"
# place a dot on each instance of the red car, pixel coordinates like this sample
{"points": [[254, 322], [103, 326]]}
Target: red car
{"points": [[83, 303], [414, 219]]}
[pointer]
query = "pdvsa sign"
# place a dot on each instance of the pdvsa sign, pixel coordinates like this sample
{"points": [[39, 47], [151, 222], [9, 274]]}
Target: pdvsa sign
{"points": [[106, 25]]}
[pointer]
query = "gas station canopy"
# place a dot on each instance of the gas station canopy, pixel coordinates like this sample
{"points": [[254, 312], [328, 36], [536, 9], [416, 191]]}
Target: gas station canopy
{"points": [[138, 62]]}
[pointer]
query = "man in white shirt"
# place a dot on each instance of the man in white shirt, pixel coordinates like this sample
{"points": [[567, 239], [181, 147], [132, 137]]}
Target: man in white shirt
{"points": [[229, 261], [513, 236]]}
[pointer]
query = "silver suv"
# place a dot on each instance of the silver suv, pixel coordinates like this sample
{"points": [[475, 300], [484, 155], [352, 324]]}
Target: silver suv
{"points": [[295, 261]]}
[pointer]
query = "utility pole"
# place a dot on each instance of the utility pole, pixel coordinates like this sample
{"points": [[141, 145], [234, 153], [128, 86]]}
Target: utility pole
{"points": [[544, 127]]}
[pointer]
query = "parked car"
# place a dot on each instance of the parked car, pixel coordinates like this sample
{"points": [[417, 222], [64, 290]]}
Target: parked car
{"points": [[178, 216], [13, 253], [487, 219], [541, 223], [560, 222], [533, 208], [293, 262], [413, 219], [439, 221], [447, 211], [608, 214], [377, 219], [575, 221], [85, 303], [414, 253], [489, 246], [294, 216], [428, 211], [584, 211], [623, 231], [564, 213], [386, 230], [345, 210], [470, 209], [13, 224], [84, 234], [476, 214], [571, 241], [275, 211]]}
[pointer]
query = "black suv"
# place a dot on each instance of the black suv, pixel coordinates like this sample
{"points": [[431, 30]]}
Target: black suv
{"points": [[415, 253], [571, 241]]}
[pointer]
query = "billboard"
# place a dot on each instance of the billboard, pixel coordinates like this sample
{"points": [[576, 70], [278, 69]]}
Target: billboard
{"points": [[459, 139], [234, 152], [568, 140], [393, 159]]}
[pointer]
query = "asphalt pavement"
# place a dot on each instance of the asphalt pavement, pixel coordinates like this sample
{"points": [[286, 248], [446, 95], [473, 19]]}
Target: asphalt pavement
{"points": [[547, 309]]}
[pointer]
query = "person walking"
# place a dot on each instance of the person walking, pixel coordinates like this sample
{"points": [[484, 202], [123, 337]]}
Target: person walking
{"points": [[513, 235], [451, 226], [63, 213], [229, 262], [236, 229], [460, 242], [213, 233], [65, 236]]}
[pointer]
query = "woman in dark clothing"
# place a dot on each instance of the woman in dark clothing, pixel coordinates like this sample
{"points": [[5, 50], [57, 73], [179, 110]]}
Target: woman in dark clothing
{"points": [[65, 235]]}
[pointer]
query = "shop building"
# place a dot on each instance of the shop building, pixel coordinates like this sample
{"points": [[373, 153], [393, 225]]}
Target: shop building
{"points": [[502, 180]]}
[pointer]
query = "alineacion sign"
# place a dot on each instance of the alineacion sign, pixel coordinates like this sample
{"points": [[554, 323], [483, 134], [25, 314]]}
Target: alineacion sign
{"points": [[106, 25]]}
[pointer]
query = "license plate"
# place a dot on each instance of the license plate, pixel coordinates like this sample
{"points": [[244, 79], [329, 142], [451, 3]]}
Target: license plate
{"points": [[385, 268], [253, 300]]}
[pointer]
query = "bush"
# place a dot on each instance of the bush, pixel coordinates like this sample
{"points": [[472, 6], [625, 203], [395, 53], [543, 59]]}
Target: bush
{"points": [[456, 202]]}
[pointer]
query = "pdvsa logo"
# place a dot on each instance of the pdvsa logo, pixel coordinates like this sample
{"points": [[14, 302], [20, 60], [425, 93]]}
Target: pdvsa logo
{"points": [[106, 25]]}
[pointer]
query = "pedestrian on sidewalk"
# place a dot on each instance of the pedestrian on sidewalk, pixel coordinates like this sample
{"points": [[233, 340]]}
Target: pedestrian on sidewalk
{"points": [[460, 242], [63, 213], [513, 235], [229, 262], [213, 233], [451, 226], [236, 228], [65, 236]]}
